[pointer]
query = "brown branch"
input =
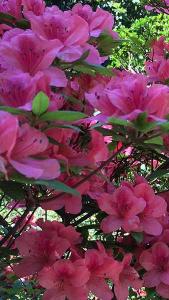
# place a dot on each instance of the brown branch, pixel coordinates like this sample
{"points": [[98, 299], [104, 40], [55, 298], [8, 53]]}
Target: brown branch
{"points": [[103, 164]]}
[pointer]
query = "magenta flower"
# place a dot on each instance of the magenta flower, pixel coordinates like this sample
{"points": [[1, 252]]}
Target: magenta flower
{"points": [[35, 6], [8, 133], [17, 89], [125, 276], [155, 208], [156, 262], [29, 143], [100, 265], [71, 32], [122, 208], [42, 248], [157, 66], [11, 7], [98, 21], [28, 53], [65, 279], [129, 97]]}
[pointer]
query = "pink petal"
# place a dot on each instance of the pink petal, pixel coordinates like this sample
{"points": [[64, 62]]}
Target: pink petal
{"points": [[80, 277], [99, 287], [28, 266], [53, 294], [146, 260], [38, 169], [57, 77], [163, 290], [80, 33], [152, 226], [54, 204], [152, 278], [110, 224], [73, 204], [78, 293], [47, 278], [165, 277], [121, 291]]}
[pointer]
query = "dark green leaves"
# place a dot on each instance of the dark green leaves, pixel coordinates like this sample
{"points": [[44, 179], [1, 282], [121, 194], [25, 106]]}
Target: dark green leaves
{"points": [[40, 104], [138, 236], [54, 184], [12, 189], [91, 69], [58, 185], [142, 124]]}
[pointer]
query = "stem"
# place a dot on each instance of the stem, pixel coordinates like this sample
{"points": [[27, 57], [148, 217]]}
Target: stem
{"points": [[10, 243], [13, 229], [84, 218], [103, 164]]}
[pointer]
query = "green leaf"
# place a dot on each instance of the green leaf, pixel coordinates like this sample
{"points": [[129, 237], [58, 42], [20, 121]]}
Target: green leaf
{"points": [[12, 189], [118, 121], [40, 104], [92, 69], [142, 124], [164, 126], [4, 16], [106, 43], [70, 127], [58, 185], [14, 111], [54, 184], [155, 141], [138, 236], [63, 115], [23, 24]]}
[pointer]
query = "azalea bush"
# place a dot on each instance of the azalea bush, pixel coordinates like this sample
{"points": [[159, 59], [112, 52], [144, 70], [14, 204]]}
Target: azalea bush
{"points": [[84, 158]]}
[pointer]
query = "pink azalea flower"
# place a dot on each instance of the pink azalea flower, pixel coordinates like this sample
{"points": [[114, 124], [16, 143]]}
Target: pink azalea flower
{"points": [[100, 265], [125, 276], [72, 32], [11, 7], [156, 262], [43, 248], [17, 89], [157, 66], [8, 133], [66, 232], [129, 98], [155, 208], [31, 142], [101, 21], [122, 208], [65, 279], [98, 21], [35, 6], [28, 53]]}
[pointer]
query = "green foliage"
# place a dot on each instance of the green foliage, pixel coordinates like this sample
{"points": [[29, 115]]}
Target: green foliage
{"points": [[133, 52]]}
